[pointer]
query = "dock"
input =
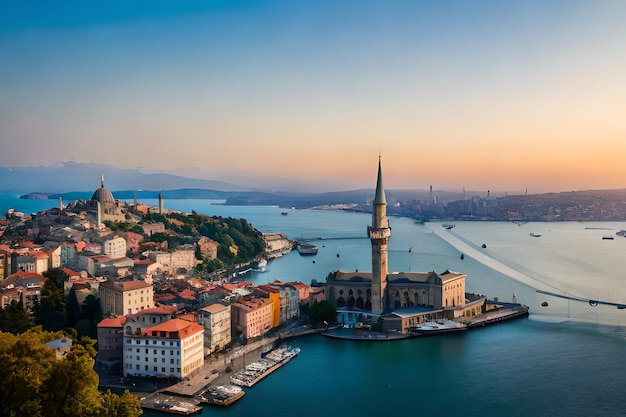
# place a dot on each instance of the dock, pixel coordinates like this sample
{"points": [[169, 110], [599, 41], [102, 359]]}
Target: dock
{"points": [[170, 404], [256, 371], [501, 314]]}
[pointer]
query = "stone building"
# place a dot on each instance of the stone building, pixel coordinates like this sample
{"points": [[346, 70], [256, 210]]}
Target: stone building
{"points": [[121, 298], [215, 319], [401, 300]]}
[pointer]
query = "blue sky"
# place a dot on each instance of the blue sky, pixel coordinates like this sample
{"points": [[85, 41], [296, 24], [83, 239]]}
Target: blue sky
{"points": [[501, 95]]}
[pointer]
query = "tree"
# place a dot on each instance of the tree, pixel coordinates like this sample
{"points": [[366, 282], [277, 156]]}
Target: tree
{"points": [[14, 318], [114, 405], [322, 311], [51, 313], [33, 382]]}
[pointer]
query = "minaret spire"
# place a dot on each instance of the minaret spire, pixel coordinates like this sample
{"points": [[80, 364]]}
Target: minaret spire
{"points": [[379, 233], [102, 180], [380, 189]]}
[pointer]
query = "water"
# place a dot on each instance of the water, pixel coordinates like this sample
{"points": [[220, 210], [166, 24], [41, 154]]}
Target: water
{"points": [[562, 361]]}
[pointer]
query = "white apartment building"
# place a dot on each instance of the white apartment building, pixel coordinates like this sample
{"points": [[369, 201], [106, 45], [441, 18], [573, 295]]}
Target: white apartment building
{"points": [[216, 322], [174, 348], [114, 248], [121, 298]]}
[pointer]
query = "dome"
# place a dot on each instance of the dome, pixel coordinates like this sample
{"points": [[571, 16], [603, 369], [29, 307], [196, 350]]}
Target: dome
{"points": [[103, 195]]}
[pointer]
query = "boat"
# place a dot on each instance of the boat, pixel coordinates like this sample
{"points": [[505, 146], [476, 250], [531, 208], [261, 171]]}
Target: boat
{"points": [[284, 213], [306, 249], [462, 256], [223, 395], [438, 327], [258, 370], [535, 234], [607, 238], [261, 264]]}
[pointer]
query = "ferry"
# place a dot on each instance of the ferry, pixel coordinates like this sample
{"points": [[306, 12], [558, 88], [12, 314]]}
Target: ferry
{"points": [[307, 249]]}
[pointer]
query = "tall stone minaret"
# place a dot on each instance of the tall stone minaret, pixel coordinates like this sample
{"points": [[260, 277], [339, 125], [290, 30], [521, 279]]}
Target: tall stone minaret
{"points": [[160, 204], [379, 233]]}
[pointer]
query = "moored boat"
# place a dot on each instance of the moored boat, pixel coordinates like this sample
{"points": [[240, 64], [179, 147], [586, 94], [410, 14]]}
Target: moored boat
{"points": [[439, 326], [223, 395], [306, 249]]}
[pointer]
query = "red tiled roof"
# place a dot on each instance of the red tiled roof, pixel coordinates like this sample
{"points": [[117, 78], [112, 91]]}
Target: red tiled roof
{"points": [[214, 308], [70, 273], [187, 294], [134, 285], [113, 322], [38, 254], [182, 327], [158, 310]]}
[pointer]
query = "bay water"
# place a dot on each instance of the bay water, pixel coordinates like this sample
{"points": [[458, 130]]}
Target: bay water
{"points": [[566, 359]]}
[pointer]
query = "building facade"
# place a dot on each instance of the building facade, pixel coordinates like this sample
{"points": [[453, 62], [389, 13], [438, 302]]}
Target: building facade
{"points": [[217, 327], [121, 298], [172, 349], [252, 318], [399, 300]]}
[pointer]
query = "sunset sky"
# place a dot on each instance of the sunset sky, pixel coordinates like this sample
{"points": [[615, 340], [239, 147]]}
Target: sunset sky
{"points": [[501, 95]]}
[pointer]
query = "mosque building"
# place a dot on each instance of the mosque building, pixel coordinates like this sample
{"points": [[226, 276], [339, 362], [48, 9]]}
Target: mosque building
{"points": [[400, 300], [101, 206]]}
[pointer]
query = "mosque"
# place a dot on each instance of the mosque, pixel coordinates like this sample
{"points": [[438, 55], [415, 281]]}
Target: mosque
{"points": [[400, 300]]}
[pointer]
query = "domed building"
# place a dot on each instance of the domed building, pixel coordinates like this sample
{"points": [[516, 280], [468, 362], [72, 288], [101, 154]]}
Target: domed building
{"points": [[105, 205], [105, 198]]}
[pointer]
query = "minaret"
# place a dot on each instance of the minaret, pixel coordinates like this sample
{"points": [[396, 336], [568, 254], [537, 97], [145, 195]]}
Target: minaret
{"points": [[160, 204], [102, 180], [379, 233]]}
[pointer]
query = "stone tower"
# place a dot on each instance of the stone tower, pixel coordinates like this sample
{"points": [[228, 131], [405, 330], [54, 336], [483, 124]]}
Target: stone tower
{"points": [[379, 233]]}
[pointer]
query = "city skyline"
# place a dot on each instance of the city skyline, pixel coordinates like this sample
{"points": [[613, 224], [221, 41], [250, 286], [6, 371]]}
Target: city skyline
{"points": [[305, 95]]}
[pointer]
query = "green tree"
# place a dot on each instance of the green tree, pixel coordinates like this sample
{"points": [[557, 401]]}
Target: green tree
{"points": [[51, 313], [34, 383], [322, 311], [125, 405], [14, 318]]}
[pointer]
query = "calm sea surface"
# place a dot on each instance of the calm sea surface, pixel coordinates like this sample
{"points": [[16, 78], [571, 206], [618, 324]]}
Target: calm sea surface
{"points": [[566, 359]]}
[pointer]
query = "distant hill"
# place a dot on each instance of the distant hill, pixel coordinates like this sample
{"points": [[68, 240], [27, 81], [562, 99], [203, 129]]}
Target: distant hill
{"points": [[72, 176]]}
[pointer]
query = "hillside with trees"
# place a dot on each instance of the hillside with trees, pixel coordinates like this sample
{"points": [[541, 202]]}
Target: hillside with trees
{"points": [[34, 383]]}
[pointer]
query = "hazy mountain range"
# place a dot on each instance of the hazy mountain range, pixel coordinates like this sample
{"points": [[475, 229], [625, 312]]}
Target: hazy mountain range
{"points": [[76, 181]]}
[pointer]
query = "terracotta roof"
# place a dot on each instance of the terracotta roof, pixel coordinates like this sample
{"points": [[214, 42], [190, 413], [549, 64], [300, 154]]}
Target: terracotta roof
{"points": [[38, 254], [113, 322], [176, 328], [214, 308], [134, 285], [166, 310], [70, 273]]}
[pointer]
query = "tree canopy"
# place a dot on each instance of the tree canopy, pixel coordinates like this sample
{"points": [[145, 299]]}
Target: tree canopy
{"points": [[33, 382]]}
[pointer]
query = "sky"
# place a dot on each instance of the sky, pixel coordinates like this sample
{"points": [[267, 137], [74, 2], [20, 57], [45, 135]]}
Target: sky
{"points": [[503, 95]]}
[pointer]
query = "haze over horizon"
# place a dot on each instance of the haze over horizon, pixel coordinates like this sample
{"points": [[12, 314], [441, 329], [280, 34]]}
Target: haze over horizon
{"points": [[481, 95]]}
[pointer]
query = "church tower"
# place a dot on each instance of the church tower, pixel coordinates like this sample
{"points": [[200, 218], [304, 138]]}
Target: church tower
{"points": [[379, 233]]}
